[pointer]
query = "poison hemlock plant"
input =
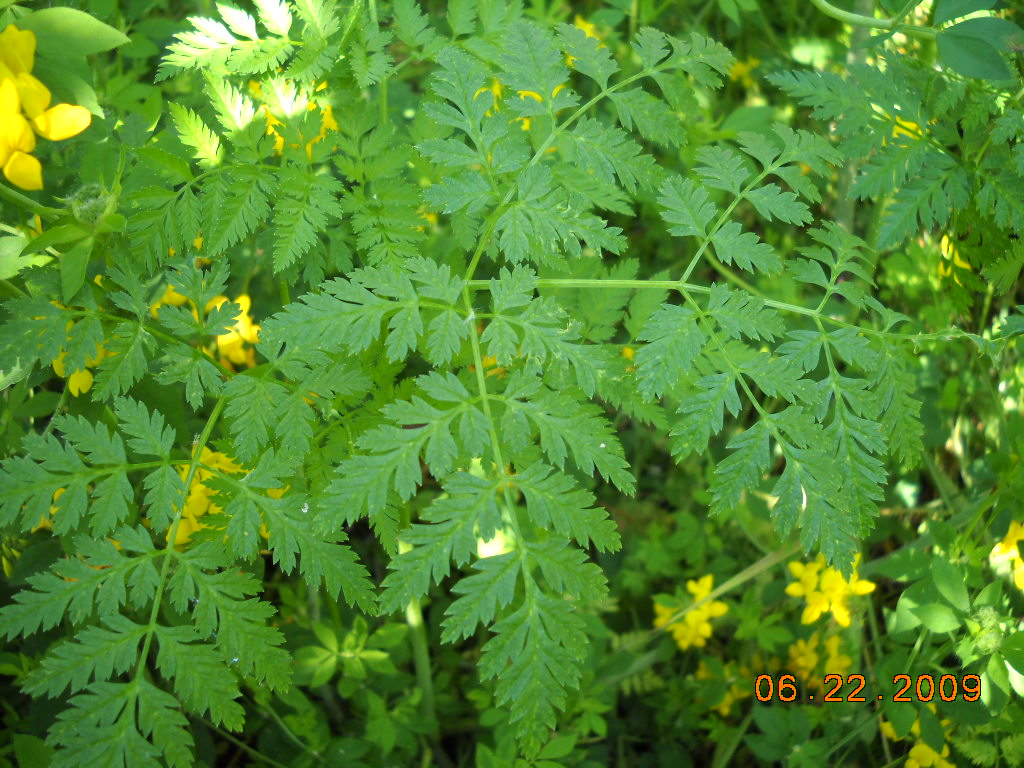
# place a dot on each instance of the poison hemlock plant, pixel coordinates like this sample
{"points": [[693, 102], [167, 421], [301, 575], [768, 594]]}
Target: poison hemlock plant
{"points": [[465, 353]]}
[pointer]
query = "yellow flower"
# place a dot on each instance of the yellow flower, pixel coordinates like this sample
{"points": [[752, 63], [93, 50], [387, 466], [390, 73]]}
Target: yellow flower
{"points": [[198, 504], [701, 588], [921, 755], [231, 346], [1007, 551], [836, 662], [888, 731], [807, 578], [17, 140], [327, 121], [588, 27], [170, 298], [79, 381], [496, 89], [25, 111], [739, 687], [741, 71], [695, 627], [803, 657], [62, 121], [826, 591], [17, 49]]}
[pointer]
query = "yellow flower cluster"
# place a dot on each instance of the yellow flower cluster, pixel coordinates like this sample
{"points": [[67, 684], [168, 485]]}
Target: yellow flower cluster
{"points": [[695, 627], [25, 111], [921, 755], [234, 348], [741, 72], [327, 121], [736, 680], [198, 504], [79, 381], [1007, 551], [825, 590], [170, 298], [805, 655]]}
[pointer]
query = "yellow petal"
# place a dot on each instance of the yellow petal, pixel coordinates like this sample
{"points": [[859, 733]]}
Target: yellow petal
{"points": [[35, 97], [80, 382], [588, 27], [10, 101], [862, 587], [101, 352], [24, 171], [58, 365], [216, 301], [62, 122], [327, 122], [17, 49]]}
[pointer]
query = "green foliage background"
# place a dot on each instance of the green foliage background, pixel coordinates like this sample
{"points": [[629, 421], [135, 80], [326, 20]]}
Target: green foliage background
{"points": [[631, 293]]}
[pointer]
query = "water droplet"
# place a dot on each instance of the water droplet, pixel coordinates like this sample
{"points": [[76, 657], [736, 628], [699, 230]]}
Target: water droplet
{"points": [[305, 509], [603, 445]]}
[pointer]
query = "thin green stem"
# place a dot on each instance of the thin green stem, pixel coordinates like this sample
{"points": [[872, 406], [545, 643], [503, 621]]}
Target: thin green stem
{"points": [[596, 283], [857, 20], [723, 757], [253, 753], [496, 214], [421, 659], [60, 404], [733, 278], [169, 551], [11, 289], [723, 217], [747, 574], [485, 402], [269, 710], [420, 648], [853, 19], [28, 203]]}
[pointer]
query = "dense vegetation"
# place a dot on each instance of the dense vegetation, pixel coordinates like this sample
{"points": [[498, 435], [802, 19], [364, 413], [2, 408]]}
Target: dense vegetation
{"points": [[489, 384]]}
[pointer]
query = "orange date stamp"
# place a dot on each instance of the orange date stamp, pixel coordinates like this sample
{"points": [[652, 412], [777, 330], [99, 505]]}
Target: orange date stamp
{"points": [[785, 688]]}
